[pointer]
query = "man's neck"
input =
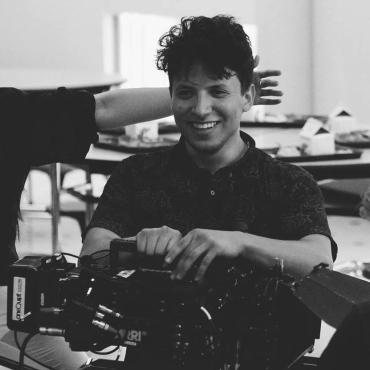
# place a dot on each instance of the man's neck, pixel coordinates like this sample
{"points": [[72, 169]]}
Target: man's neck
{"points": [[212, 162]]}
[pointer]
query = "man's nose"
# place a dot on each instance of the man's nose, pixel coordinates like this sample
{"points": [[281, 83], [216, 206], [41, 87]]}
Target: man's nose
{"points": [[202, 105]]}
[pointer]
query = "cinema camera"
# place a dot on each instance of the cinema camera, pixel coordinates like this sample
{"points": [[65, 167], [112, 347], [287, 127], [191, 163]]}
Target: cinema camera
{"points": [[237, 319]]}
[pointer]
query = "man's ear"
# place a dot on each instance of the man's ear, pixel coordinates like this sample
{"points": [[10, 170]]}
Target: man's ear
{"points": [[249, 96], [170, 91]]}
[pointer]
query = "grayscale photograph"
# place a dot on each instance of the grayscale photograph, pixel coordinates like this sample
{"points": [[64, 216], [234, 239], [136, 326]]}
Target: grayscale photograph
{"points": [[186, 185]]}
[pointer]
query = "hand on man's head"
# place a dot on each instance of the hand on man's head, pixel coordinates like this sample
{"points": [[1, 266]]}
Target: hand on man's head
{"points": [[266, 92]]}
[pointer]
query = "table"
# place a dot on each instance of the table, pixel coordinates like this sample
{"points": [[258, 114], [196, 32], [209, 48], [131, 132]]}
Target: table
{"points": [[44, 80], [103, 161], [333, 169]]}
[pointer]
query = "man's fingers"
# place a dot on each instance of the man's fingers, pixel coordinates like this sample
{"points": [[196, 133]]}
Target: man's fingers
{"points": [[141, 240], [176, 249], [269, 73], [151, 245], [187, 260], [156, 241], [265, 101], [162, 245], [268, 83], [165, 247], [271, 92], [203, 267], [265, 92]]}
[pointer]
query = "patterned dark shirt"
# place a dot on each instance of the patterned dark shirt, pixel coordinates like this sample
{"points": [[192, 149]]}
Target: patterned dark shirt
{"points": [[257, 194]]}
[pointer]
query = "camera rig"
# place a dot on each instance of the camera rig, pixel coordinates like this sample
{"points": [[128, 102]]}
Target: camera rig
{"points": [[239, 318]]}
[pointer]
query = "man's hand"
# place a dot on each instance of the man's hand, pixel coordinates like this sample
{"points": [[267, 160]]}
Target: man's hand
{"points": [[202, 246], [265, 92], [157, 241]]}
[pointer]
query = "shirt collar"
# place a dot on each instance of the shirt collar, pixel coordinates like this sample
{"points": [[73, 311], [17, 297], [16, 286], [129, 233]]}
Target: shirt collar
{"points": [[247, 165]]}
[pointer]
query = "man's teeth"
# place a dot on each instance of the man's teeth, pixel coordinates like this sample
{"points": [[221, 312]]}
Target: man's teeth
{"points": [[204, 125]]}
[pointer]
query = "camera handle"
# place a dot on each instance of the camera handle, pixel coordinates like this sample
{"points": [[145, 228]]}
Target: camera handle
{"points": [[126, 245]]}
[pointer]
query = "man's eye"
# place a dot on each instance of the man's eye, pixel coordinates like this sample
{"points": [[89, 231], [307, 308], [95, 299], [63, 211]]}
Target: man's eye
{"points": [[184, 94], [219, 93]]}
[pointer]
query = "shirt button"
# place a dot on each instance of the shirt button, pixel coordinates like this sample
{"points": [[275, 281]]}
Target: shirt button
{"points": [[213, 193]]}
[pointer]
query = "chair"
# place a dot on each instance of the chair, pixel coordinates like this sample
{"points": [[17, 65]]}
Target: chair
{"points": [[306, 362], [64, 169], [85, 193], [80, 209], [343, 196]]}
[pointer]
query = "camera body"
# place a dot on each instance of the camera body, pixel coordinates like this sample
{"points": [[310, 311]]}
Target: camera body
{"points": [[34, 284], [235, 319]]}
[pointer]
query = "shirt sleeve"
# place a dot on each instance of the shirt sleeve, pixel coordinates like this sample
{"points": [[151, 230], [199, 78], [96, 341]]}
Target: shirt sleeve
{"points": [[302, 210], [114, 211], [49, 127]]}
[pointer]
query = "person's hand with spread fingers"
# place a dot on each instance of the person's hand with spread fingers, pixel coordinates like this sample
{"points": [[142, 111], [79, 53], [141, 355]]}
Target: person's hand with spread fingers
{"points": [[266, 92], [199, 248]]}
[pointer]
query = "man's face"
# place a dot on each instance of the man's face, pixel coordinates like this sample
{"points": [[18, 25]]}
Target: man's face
{"points": [[208, 110]]}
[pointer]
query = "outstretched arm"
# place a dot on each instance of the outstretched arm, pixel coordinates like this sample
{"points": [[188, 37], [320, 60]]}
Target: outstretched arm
{"points": [[123, 107]]}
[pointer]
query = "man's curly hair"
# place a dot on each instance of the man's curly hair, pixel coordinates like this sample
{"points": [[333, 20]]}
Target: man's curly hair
{"points": [[218, 43]]}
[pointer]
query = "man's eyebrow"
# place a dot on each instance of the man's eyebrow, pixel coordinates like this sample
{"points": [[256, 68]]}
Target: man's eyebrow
{"points": [[192, 84], [219, 84], [186, 81], [184, 84]]}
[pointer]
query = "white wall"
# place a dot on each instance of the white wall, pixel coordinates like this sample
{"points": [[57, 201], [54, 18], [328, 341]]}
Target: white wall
{"points": [[50, 34], [304, 38], [284, 30], [68, 33], [341, 54]]}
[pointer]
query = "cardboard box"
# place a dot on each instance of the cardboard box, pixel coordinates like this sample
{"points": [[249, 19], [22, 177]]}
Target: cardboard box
{"points": [[316, 140], [146, 131], [341, 120]]}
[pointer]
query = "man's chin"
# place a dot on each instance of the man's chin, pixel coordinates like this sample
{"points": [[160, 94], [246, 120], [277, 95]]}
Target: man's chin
{"points": [[203, 148]]}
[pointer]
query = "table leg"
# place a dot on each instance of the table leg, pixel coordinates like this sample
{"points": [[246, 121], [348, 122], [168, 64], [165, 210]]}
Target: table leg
{"points": [[89, 205], [55, 206]]}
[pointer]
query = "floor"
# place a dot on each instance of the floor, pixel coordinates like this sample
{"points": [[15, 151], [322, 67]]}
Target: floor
{"points": [[351, 234]]}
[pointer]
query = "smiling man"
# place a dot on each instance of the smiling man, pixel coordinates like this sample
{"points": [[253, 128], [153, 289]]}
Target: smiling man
{"points": [[207, 110], [214, 194]]}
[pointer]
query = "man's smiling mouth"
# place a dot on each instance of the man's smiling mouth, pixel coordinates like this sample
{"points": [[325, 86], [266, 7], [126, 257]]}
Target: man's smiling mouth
{"points": [[203, 125]]}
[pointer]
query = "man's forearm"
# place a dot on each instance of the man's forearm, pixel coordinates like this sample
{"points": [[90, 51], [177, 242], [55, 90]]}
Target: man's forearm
{"points": [[96, 240], [299, 256], [97, 243], [123, 107]]}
